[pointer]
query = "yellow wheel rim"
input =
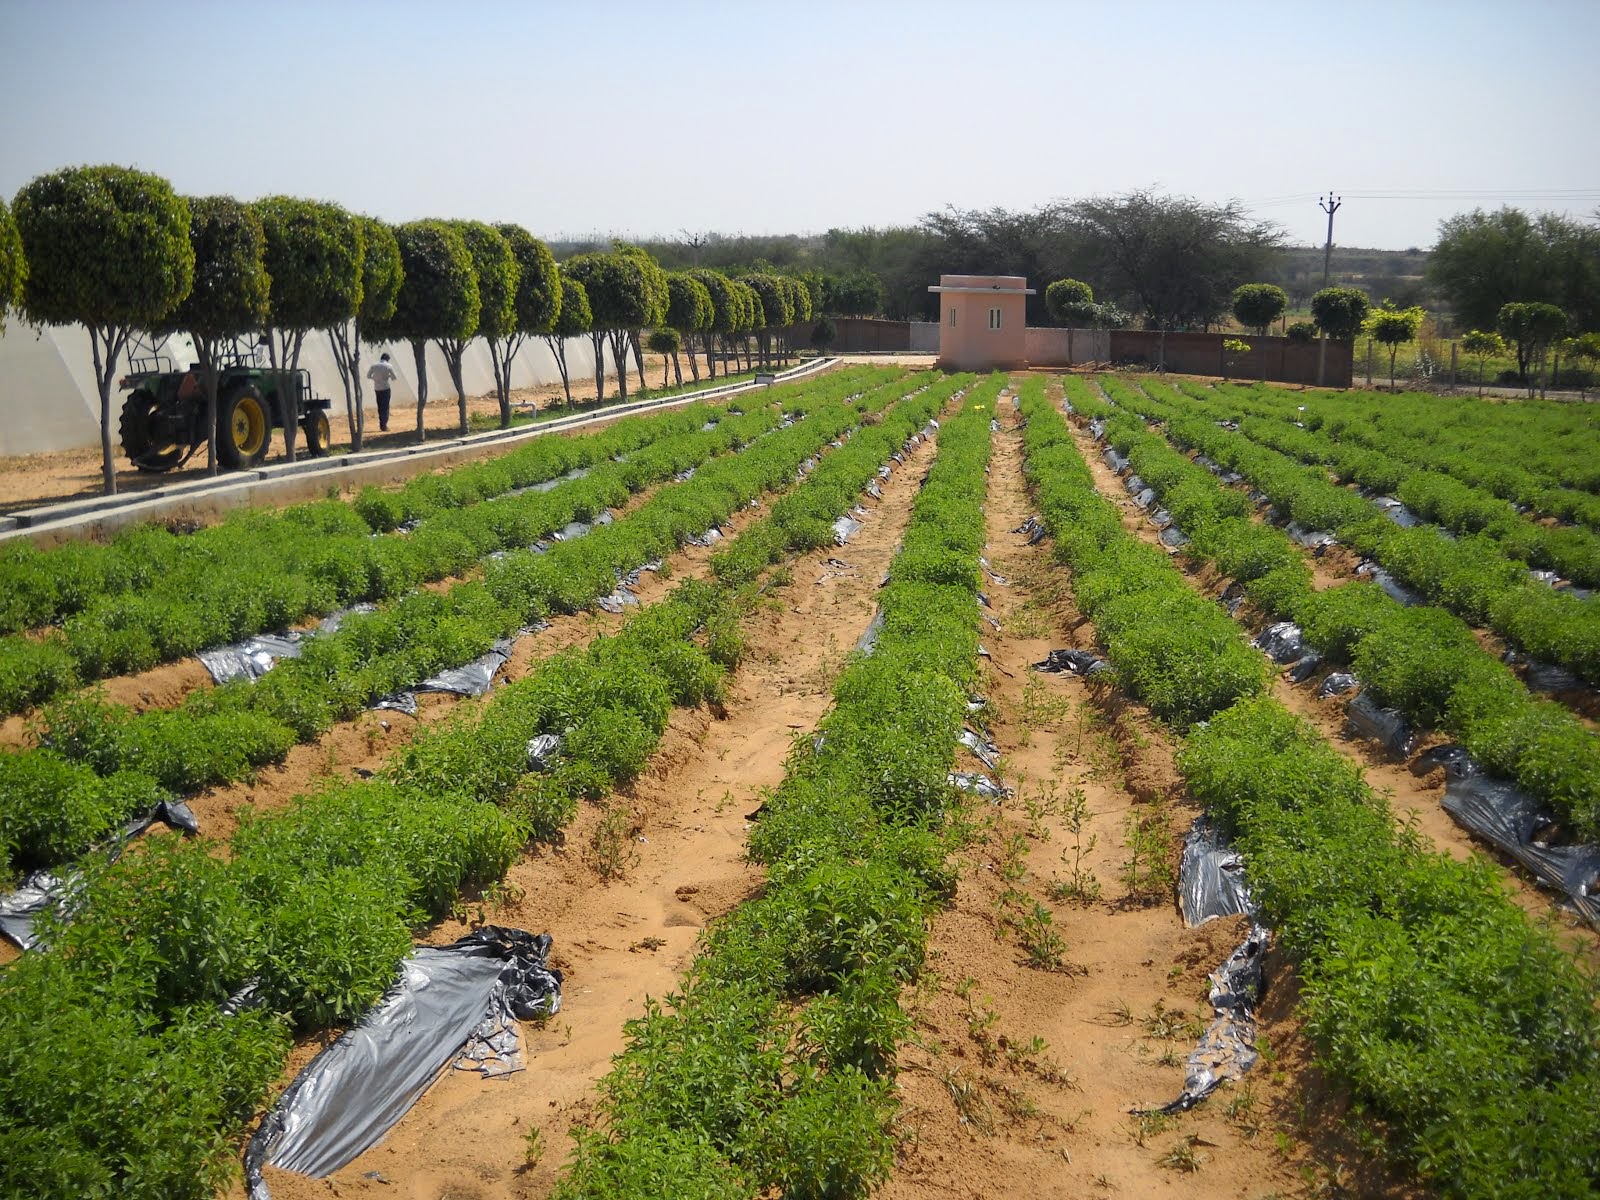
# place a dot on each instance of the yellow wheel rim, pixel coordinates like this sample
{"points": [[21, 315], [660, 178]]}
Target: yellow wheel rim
{"points": [[324, 431], [249, 425]]}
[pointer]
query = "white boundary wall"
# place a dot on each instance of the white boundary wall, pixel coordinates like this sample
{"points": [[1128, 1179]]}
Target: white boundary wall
{"points": [[48, 399]]}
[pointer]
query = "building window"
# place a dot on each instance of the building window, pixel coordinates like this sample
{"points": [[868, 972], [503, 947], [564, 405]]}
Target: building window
{"points": [[994, 318], [952, 318]]}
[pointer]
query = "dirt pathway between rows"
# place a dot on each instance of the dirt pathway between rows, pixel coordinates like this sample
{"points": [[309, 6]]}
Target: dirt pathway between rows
{"points": [[1021, 1078], [1415, 795], [682, 844]]}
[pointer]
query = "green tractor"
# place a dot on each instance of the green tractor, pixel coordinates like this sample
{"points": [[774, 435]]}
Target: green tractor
{"points": [[164, 417]]}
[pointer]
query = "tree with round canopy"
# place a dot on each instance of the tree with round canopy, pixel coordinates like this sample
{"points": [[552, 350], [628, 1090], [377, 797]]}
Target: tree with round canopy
{"points": [[666, 342], [724, 312], [1483, 345], [1394, 327], [573, 319], [1530, 325], [381, 274], [1257, 305], [107, 248], [776, 309], [231, 291], [537, 306], [1339, 312], [689, 311], [497, 274], [621, 300], [438, 296], [313, 257]]}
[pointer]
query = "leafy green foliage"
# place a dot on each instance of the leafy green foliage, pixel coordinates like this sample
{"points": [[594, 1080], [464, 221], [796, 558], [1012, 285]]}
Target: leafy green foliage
{"points": [[857, 294], [1340, 311], [689, 306], [231, 285], [1485, 260], [13, 265], [382, 271], [313, 259], [1070, 301], [438, 294], [575, 318], [1531, 326], [538, 292], [1258, 305]]}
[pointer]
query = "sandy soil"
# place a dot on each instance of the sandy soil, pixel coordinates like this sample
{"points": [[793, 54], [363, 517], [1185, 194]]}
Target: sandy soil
{"points": [[623, 939], [31, 479], [1414, 795], [1022, 1080]]}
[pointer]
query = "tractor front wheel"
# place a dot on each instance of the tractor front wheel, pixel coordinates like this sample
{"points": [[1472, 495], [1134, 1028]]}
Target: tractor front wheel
{"points": [[146, 436], [318, 432], [242, 426]]}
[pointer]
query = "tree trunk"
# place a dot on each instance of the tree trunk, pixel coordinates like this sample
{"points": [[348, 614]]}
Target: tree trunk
{"points": [[279, 356], [1481, 362], [598, 339], [638, 357], [206, 349], [619, 355], [558, 348], [105, 366], [1393, 350], [1322, 359], [347, 357], [419, 351], [694, 363], [677, 370], [502, 379], [664, 365], [452, 358], [711, 354]]}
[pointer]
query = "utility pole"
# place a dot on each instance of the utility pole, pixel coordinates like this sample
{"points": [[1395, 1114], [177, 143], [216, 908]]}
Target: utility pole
{"points": [[1330, 205]]}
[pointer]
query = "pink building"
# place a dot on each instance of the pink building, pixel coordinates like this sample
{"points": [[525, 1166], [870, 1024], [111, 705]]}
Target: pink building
{"points": [[983, 322]]}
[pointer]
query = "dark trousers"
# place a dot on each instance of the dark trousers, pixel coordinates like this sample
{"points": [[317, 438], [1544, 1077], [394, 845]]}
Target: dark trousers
{"points": [[382, 396]]}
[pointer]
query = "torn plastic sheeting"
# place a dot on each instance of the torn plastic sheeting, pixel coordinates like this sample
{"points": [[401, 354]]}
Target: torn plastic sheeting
{"points": [[885, 471], [1066, 407], [1228, 1048], [1161, 518], [1074, 662], [618, 600], [707, 538], [1310, 663], [1174, 538], [1211, 881], [355, 1090], [845, 528], [470, 679], [868, 641], [1097, 428], [1511, 820], [977, 784], [1117, 461], [708, 427], [994, 425], [983, 600], [1393, 589], [1135, 484], [576, 529], [1386, 725], [1311, 539], [253, 657], [1282, 642], [1034, 528], [1397, 512], [548, 485], [46, 891], [1453, 758], [1337, 684], [806, 467], [874, 490], [543, 748], [1542, 676], [684, 475], [1145, 497], [982, 748]]}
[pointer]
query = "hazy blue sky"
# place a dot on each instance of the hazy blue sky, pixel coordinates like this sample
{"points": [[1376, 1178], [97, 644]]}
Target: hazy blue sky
{"points": [[753, 117]]}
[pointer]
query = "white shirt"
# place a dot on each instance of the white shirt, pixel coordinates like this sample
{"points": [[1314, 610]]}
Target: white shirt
{"points": [[382, 375]]}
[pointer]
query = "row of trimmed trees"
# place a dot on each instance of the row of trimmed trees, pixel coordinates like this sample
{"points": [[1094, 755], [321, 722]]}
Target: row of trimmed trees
{"points": [[121, 253]]}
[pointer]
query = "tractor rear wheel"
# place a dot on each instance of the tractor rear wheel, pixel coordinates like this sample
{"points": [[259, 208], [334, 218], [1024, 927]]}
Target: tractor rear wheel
{"points": [[146, 439], [242, 426], [318, 432]]}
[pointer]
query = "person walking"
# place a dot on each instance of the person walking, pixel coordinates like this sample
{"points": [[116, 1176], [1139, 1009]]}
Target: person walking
{"points": [[382, 376]]}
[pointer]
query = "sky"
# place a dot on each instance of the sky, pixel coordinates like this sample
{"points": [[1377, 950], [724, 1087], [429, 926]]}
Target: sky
{"points": [[652, 119]]}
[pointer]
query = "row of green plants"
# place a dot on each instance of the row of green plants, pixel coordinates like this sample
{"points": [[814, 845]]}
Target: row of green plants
{"points": [[1469, 576], [1424, 434], [770, 1070], [315, 905], [96, 762], [1420, 660], [1467, 1040], [262, 571], [1434, 496]]}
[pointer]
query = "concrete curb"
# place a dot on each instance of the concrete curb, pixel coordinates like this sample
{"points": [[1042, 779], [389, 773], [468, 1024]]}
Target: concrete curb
{"points": [[287, 483]]}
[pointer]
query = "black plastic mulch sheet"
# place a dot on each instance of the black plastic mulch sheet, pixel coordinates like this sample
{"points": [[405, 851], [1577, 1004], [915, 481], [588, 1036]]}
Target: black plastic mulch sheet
{"points": [[1549, 678], [1174, 538], [978, 784], [1075, 662], [1312, 539], [1337, 684], [1282, 642], [1392, 588], [1228, 1048], [981, 748], [1035, 530], [845, 528], [1511, 820], [470, 679], [1367, 718], [457, 1003], [1211, 879], [46, 891], [868, 641], [255, 656]]}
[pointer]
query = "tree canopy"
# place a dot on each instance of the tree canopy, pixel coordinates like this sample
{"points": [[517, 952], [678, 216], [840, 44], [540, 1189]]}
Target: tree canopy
{"points": [[1070, 302], [107, 247], [855, 294], [231, 285], [574, 318], [13, 266], [689, 306], [619, 295], [497, 274], [1340, 311], [1176, 260], [1257, 305], [313, 256], [438, 294], [1483, 261], [381, 271], [1530, 325], [538, 296]]}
